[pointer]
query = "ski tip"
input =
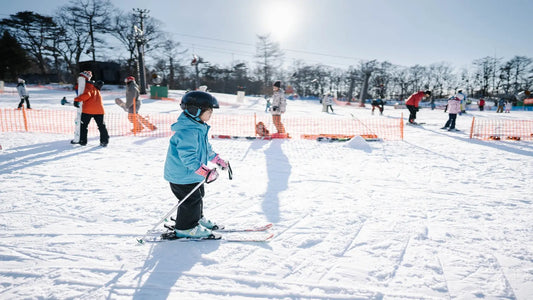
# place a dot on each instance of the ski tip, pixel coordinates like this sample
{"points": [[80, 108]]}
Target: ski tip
{"points": [[140, 241], [268, 238]]}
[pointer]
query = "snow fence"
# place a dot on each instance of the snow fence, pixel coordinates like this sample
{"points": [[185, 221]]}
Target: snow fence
{"points": [[500, 129], [232, 126]]}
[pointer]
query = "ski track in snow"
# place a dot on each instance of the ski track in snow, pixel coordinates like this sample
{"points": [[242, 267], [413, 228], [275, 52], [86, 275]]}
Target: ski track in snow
{"points": [[435, 216]]}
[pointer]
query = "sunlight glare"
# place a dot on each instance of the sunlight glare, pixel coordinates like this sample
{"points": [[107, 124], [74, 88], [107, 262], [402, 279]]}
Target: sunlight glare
{"points": [[280, 21]]}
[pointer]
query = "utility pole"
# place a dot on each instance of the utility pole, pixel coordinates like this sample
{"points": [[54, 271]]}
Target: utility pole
{"points": [[140, 40]]}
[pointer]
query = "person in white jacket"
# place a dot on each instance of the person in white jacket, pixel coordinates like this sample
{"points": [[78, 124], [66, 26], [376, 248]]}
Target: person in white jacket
{"points": [[23, 94], [279, 103], [454, 107]]}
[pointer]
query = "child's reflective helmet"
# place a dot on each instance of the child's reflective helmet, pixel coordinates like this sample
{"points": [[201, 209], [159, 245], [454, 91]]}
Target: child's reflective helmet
{"points": [[195, 102]]}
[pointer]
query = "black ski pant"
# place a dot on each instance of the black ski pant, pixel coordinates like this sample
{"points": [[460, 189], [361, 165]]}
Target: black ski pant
{"points": [[191, 210], [22, 99], [451, 121], [99, 119], [412, 113]]}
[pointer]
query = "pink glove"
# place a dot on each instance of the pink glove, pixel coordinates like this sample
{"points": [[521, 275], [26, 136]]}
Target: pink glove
{"points": [[209, 174], [220, 162]]}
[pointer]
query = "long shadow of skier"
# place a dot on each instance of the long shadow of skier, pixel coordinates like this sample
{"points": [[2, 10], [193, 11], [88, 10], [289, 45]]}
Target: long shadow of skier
{"points": [[167, 262], [36, 154], [278, 171]]}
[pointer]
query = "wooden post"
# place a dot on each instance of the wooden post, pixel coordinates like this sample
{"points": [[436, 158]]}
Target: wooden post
{"points": [[25, 118], [472, 127]]}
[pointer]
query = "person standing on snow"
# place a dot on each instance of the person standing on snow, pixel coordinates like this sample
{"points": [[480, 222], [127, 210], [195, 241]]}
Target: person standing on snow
{"points": [[412, 104], [379, 104], [133, 103], [188, 154], [481, 104], [501, 104], [454, 107], [23, 94], [327, 101], [508, 106], [279, 104], [461, 96], [92, 108]]}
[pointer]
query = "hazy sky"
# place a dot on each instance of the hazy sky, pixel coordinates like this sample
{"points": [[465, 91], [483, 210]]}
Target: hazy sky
{"points": [[338, 33]]}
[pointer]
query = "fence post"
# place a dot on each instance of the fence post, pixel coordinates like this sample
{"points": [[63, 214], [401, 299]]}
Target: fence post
{"points": [[401, 126], [472, 127], [25, 118]]}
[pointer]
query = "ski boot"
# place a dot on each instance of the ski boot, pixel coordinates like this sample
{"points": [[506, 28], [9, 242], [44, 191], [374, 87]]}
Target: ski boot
{"points": [[198, 232], [209, 224]]}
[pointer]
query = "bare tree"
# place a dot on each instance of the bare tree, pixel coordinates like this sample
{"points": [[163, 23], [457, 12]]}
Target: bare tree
{"points": [[518, 72], [268, 56], [93, 16], [170, 52], [484, 72], [440, 75], [70, 40], [122, 28], [402, 82]]}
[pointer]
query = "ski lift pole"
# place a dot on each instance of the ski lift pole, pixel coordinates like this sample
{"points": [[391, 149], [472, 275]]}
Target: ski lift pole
{"points": [[141, 240]]}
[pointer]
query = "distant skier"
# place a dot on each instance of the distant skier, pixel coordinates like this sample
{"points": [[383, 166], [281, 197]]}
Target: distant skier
{"points": [[133, 103], [327, 102], [501, 104], [481, 104], [23, 94], [379, 104], [462, 97], [454, 107], [508, 106], [268, 104], [279, 104], [412, 104], [186, 163]]}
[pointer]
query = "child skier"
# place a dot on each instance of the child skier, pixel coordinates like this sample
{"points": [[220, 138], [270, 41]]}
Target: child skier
{"points": [[23, 94], [186, 164], [279, 104], [453, 107]]}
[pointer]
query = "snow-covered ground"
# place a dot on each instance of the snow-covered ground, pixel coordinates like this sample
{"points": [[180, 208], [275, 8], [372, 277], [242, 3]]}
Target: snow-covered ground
{"points": [[435, 216]]}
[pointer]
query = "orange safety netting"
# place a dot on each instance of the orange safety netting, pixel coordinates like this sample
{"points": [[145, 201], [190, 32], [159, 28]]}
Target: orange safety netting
{"points": [[490, 129], [158, 125]]}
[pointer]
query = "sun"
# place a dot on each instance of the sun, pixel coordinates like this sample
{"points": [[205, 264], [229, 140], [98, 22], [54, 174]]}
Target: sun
{"points": [[280, 22]]}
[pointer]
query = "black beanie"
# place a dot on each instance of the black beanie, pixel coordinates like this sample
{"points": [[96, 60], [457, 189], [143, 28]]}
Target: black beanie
{"points": [[277, 84]]}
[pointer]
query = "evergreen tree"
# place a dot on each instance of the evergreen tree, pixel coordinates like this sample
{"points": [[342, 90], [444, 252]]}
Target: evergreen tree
{"points": [[13, 58]]}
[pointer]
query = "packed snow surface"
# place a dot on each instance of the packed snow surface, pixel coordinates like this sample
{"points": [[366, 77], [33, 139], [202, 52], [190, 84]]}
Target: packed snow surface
{"points": [[436, 215]]}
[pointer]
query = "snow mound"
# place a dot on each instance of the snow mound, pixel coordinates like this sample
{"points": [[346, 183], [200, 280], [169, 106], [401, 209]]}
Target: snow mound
{"points": [[357, 142]]}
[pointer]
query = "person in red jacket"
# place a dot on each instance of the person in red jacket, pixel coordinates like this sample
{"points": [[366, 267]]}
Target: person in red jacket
{"points": [[481, 104], [412, 104], [92, 108]]}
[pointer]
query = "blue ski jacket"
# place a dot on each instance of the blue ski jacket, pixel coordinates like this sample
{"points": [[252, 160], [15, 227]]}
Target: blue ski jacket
{"points": [[189, 148]]}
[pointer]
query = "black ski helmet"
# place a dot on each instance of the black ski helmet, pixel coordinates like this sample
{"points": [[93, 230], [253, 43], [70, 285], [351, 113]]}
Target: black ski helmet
{"points": [[195, 102]]}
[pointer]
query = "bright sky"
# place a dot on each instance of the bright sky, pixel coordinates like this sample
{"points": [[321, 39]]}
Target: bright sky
{"points": [[338, 33]]}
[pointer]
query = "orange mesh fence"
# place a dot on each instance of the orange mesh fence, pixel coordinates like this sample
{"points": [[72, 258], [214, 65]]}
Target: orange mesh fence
{"points": [[341, 127], [158, 125], [489, 129]]}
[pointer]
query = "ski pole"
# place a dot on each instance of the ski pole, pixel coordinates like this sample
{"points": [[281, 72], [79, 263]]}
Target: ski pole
{"points": [[141, 240]]}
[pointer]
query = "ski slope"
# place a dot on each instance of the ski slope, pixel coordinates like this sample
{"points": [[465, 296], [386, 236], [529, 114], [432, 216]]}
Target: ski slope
{"points": [[435, 216]]}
